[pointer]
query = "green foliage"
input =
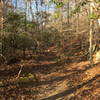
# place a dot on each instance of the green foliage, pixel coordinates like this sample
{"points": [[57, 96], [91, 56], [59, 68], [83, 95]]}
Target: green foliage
{"points": [[31, 24], [93, 16], [76, 10], [50, 39], [83, 3], [97, 1], [10, 41], [14, 21], [14, 18], [30, 76], [25, 41], [58, 3], [27, 78], [17, 41], [46, 38], [56, 15]]}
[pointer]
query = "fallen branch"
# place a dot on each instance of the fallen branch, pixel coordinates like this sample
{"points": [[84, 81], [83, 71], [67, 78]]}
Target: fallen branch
{"points": [[20, 71]]}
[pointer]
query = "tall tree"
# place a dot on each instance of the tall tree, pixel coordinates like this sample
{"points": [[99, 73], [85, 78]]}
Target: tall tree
{"points": [[1, 24], [91, 35]]}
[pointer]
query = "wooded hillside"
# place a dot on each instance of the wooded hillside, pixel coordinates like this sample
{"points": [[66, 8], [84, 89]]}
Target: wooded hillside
{"points": [[49, 49]]}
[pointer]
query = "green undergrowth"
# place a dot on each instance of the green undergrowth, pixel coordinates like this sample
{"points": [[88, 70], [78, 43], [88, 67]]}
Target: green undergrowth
{"points": [[28, 79]]}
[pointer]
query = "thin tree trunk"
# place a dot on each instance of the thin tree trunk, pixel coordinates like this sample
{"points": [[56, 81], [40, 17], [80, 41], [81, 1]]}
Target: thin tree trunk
{"points": [[77, 28], [32, 14], [68, 20], [1, 26], [25, 16], [91, 37], [77, 20]]}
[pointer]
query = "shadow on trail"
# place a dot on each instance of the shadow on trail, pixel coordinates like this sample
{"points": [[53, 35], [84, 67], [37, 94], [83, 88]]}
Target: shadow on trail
{"points": [[71, 90], [41, 68], [61, 78], [31, 68], [55, 80], [46, 56]]}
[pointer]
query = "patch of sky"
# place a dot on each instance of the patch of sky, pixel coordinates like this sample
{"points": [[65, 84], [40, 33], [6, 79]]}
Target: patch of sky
{"points": [[20, 6]]}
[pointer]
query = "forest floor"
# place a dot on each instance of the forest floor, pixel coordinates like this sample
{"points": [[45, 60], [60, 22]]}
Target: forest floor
{"points": [[55, 80]]}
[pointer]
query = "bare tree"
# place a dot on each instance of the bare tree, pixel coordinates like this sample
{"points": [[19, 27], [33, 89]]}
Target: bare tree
{"points": [[91, 36], [1, 25]]}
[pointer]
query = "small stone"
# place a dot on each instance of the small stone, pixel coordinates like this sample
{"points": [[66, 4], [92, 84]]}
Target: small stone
{"points": [[1, 84]]}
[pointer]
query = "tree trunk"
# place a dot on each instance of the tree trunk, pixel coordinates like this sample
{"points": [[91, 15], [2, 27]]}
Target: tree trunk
{"points": [[91, 37], [25, 16], [1, 25], [68, 21]]}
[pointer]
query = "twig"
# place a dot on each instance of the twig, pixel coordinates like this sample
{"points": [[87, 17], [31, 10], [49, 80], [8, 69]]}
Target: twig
{"points": [[20, 71]]}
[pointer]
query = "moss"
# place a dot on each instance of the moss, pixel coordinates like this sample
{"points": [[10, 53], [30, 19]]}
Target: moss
{"points": [[27, 78]]}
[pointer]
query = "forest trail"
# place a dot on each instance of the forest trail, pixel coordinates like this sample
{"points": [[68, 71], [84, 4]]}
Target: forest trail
{"points": [[71, 82], [45, 48], [58, 80]]}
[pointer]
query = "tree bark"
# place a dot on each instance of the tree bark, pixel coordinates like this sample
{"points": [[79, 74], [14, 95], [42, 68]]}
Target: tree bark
{"points": [[91, 36], [1, 25]]}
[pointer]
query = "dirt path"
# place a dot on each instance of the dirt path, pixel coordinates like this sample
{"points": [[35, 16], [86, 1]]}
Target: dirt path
{"points": [[72, 84], [57, 80]]}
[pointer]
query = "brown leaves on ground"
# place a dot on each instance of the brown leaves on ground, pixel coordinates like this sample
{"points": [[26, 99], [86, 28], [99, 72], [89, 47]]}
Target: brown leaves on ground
{"points": [[57, 80]]}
